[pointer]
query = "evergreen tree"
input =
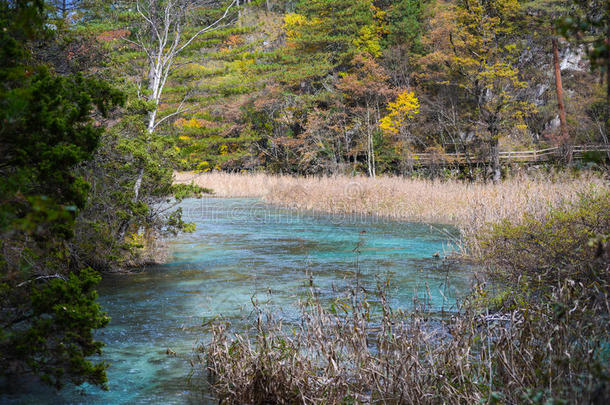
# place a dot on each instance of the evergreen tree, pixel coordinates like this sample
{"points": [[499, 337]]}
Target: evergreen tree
{"points": [[47, 302], [328, 33], [405, 23]]}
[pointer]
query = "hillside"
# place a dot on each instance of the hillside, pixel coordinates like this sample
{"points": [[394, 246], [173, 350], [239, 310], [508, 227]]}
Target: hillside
{"points": [[301, 87]]}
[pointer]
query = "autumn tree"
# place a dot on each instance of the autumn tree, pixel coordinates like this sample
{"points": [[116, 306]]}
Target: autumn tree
{"points": [[327, 142], [476, 60], [396, 123], [366, 90]]}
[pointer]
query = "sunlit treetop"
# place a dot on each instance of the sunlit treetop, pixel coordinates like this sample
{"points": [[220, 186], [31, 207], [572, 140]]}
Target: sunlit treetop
{"points": [[403, 109]]}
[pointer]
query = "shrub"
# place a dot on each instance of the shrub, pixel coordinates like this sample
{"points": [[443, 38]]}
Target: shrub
{"points": [[564, 244]]}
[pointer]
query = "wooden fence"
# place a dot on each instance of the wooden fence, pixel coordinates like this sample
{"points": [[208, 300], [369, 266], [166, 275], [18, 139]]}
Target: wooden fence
{"points": [[517, 156]]}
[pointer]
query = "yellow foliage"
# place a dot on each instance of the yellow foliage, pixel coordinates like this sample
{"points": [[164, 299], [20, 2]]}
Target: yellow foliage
{"points": [[380, 20], [135, 240], [404, 108], [369, 41], [291, 23], [243, 64], [224, 150], [192, 123], [369, 36], [472, 49], [184, 138]]}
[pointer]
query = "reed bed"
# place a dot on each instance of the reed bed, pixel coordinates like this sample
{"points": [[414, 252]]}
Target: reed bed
{"points": [[542, 338], [364, 355], [469, 206]]}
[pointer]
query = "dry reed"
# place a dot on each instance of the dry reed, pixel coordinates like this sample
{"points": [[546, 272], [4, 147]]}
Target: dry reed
{"points": [[469, 206], [532, 343], [366, 355]]}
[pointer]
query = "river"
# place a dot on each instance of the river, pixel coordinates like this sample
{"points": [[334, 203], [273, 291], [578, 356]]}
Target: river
{"points": [[245, 250]]}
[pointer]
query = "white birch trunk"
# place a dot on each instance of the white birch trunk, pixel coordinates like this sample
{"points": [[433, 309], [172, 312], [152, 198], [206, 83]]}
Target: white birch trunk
{"points": [[165, 44]]}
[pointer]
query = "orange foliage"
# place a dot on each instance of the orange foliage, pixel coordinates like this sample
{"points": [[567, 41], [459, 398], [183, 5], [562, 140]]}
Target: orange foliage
{"points": [[368, 80], [233, 41], [112, 35]]}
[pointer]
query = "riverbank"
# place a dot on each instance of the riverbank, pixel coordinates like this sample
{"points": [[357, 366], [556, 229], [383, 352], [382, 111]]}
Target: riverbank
{"points": [[468, 206], [539, 335]]}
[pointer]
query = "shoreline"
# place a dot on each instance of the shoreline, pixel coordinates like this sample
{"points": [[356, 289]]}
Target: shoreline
{"points": [[426, 201], [470, 207]]}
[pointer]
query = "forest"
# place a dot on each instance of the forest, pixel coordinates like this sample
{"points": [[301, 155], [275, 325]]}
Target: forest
{"points": [[137, 135]]}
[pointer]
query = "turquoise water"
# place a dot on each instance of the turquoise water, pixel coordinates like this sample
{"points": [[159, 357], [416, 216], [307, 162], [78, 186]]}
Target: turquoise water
{"points": [[244, 250]]}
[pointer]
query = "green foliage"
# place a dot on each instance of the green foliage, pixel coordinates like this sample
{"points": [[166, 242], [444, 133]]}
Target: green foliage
{"points": [[52, 130], [594, 157], [113, 213], [553, 248], [58, 337], [181, 191], [331, 30], [405, 23], [47, 301]]}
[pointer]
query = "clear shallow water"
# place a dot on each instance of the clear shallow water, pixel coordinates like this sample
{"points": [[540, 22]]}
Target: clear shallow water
{"points": [[244, 250]]}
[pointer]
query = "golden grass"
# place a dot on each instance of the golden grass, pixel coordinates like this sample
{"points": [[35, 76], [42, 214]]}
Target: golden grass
{"points": [[469, 206]]}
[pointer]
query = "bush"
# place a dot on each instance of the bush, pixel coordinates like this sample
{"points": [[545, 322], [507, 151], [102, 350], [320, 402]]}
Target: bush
{"points": [[567, 243]]}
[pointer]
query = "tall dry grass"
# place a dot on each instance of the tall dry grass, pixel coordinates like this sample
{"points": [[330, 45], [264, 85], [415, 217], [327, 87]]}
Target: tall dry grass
{"points": [[362, 355], [469, 206]]}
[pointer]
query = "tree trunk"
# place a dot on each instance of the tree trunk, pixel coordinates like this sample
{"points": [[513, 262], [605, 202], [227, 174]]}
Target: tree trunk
{"points": [[369, 138], [607, 60], [607, 112], [564, 138], [496, 168], [373, 156], [238, 14], [368, 156]]}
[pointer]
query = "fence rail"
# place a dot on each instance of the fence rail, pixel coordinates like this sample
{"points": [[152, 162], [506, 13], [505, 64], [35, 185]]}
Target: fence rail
{"points": [[517, 156]]}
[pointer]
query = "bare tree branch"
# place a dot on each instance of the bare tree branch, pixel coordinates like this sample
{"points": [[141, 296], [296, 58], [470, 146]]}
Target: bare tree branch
{"points": [[41, 278], [180, 110]]}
